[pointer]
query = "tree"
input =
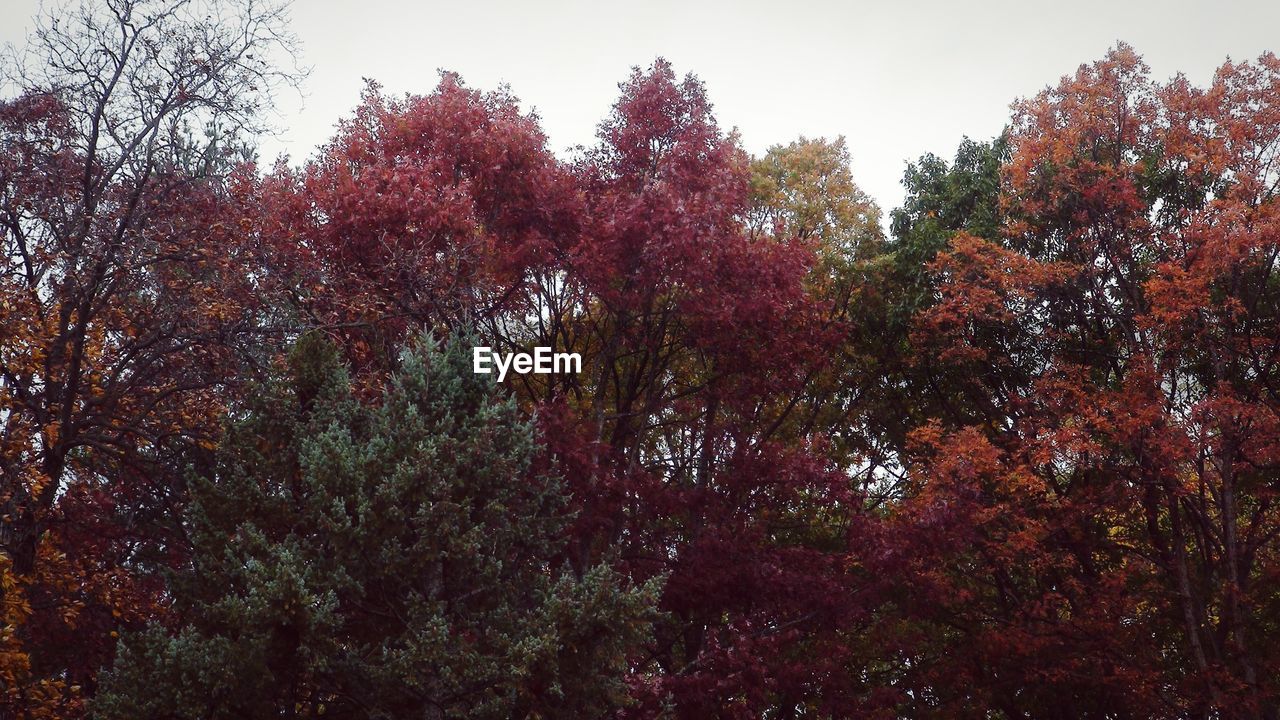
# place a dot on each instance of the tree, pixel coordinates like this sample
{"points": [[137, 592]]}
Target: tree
{"points": [[903, 387], [703, 339], [803, 193], [118, 301], [1109, 487], [805, 190], [440, 211], [388, 561]]}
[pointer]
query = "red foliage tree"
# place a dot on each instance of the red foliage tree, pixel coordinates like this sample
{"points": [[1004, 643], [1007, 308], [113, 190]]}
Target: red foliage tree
{"points": [[698, 333], [432, 211]]}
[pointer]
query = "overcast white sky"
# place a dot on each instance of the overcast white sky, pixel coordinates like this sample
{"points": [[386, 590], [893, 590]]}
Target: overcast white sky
{"points": [[897, 79]]}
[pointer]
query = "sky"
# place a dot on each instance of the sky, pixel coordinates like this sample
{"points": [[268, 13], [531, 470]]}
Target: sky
{"points": [[896, 79]]}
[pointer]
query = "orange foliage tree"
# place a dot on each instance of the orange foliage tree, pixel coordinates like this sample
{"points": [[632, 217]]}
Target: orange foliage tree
{"points": [[122, 301], [1103, 525]]}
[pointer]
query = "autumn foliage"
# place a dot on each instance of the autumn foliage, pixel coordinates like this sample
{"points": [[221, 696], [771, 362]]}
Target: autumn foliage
{"points": [[1018, 458]]}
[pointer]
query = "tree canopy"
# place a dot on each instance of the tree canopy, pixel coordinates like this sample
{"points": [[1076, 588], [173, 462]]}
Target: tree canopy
{"points": [[1010, 450]]}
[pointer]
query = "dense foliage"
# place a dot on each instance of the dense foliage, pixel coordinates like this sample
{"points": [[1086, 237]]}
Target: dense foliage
{"points": [[1018, 458], [394, 560]]}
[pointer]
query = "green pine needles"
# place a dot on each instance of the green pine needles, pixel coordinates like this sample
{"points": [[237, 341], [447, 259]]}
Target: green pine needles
{"points": [[390, 560]]}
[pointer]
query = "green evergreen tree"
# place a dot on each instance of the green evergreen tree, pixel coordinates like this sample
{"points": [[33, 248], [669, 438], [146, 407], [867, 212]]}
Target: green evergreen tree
{"points": [[387, 560]]}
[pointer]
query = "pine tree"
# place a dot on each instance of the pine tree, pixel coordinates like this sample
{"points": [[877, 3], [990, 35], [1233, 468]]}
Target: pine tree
{"points": [[386, 560]]}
